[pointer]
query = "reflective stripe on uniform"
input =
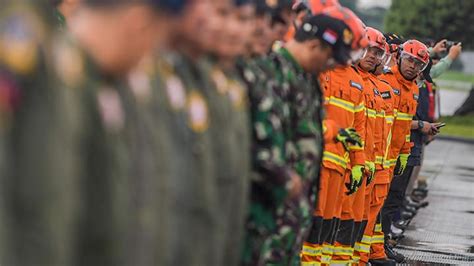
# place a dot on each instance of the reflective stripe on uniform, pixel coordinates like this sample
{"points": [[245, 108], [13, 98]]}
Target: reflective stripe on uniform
{"points": [[346, 105], [340, 262], [378, 228], [371, 113], [407, 138], [378, 159], [360, 247], [389, 119], [343, 251], [366, 239], [359, 108], [310, 263], [328, 249], [355, 259], [379, 239], [311, 251], [326, 259], [334, 158], [404, 116]]}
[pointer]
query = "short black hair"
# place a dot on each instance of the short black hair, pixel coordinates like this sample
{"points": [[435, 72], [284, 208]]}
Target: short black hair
{"points": [[56, 3]]}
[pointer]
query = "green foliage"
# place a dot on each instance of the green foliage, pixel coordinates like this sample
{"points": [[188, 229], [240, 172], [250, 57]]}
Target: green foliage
{"points": [[461, 126], [457, 76], [435, 19]]}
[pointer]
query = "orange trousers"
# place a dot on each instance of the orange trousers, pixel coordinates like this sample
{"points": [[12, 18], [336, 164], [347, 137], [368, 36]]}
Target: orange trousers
{"points": [[352, 214], [373, 238], [318, 248]]}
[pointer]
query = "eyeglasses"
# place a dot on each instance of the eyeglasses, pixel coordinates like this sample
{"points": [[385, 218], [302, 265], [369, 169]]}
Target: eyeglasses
{"points": [[419, 65]]}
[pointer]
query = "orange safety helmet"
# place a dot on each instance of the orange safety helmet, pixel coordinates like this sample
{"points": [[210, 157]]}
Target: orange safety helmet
{"points": [[376, 38], [317, 6], [417, 50], [359, 39]]}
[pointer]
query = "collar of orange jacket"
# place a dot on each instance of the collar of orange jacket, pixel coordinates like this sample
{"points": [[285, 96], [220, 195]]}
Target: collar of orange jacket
{"points": [[401, 80]]}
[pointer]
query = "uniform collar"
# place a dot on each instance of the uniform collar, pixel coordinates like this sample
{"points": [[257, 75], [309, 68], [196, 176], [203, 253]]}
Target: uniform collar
{"points": [[287, 55], [406, 83]]}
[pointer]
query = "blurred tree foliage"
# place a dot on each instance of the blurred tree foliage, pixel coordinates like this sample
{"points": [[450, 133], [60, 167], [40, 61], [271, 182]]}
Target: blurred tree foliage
{"points": [[435, 19], [373, 16]]}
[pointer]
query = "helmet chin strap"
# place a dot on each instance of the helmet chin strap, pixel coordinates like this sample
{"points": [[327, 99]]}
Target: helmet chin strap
{"points": [[375, 68]]}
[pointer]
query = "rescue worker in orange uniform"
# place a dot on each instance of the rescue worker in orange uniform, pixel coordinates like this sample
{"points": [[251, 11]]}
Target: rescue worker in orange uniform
{"points": [[355, 206], [379, 113], [413, 59], [344, 101]]}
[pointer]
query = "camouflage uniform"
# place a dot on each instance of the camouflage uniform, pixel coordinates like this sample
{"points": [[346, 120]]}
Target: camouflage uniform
{"points": [[271, 172], [304, 149]]}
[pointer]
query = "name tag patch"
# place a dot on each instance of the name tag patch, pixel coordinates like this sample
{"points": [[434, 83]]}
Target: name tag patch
{"points": [[386, 95], [355, 85]]}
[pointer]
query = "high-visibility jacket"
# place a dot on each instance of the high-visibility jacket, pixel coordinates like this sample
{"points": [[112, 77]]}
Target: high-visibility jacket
{"points": [[384, 122], [405, 100], [344, 104], [373, 108]]}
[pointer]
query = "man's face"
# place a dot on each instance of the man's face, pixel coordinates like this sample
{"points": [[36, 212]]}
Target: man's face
{"points": [[318, 57], [238, 31], [372, 58], [410, 67], [117, 37], [261, 35], [197, 27]]}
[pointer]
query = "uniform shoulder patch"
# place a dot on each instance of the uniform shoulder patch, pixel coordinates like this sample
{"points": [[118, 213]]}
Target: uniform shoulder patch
{"points": [[416, 96], [20, 38], [355, 85]]}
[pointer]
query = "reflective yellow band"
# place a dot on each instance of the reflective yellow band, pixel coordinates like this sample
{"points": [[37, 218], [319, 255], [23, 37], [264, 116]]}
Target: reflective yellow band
{"points": [[378, 239], [404, 116], [311, 251], [407, 138], [334, 158], [381, 114], [378, 159], [365, 248], [378, 228], [328, 249], [340, 262], [371, 113], [326, 259], [389, 119], [310, 263], [366, 239], [346, 105], [355, 259], [359, 108], [343, 251]]}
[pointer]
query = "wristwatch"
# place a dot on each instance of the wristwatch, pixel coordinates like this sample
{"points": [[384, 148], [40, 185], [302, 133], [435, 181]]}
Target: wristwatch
{"points": [[420, 124]]}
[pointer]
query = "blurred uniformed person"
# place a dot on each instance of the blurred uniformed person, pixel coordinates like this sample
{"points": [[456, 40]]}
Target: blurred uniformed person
{"points": [[38, 147], [121, 182]]}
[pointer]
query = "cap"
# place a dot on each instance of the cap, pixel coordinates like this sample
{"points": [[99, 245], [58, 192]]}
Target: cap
{"points": [[330, 30], [169, 5]]}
